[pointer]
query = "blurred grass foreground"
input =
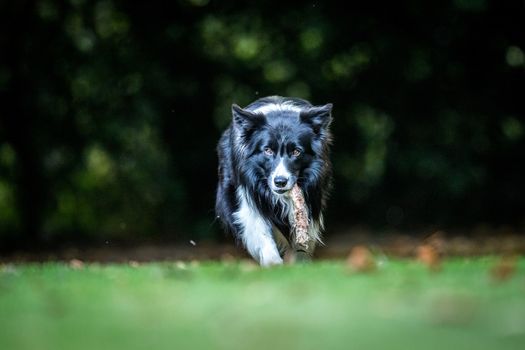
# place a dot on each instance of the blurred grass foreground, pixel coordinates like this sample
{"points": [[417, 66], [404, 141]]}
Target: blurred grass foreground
{"points": [[236, 305]]}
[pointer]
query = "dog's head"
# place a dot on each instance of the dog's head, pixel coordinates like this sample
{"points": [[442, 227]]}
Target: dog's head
{"points": [[280, 140]]}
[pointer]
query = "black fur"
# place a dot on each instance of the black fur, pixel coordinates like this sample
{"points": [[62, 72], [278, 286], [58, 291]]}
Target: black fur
{"points": [[243, 161]]}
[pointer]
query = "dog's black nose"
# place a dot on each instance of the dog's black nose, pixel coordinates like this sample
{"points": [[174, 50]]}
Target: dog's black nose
{"points": [[280, 181]]}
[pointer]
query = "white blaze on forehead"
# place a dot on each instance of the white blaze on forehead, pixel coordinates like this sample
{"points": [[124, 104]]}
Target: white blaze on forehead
{"points": [[281, 170], [274, 107]]}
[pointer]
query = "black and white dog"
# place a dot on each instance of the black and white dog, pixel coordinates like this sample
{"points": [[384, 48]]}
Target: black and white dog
{"points": [[271, 145]]}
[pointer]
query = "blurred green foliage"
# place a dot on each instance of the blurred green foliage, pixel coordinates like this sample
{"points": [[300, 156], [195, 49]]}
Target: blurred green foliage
{"points": [[111, 109]]}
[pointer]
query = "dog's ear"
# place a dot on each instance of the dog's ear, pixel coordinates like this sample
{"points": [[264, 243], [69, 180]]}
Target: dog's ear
{"points": [[245, 120], [318, 117]]}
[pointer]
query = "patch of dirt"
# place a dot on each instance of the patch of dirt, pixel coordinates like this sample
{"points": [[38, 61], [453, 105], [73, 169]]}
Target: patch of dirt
{"points": [[394, 244]]}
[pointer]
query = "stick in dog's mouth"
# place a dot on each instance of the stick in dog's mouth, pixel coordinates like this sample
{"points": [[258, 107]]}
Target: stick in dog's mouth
{"points": [[300, 217]]}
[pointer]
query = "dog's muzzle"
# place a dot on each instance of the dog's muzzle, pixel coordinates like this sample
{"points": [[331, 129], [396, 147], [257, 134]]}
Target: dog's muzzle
{"points": [[281, 180], [281, 184]]}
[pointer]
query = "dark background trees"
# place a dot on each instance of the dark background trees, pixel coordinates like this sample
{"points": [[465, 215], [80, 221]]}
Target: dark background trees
{"points": [[110, 110]]}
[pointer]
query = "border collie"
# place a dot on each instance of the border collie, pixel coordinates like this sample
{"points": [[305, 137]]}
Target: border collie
{"points": [[271, 145]]}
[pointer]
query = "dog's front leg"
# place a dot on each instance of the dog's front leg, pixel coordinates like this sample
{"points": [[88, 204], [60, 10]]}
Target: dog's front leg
{"points": [[261, 246], [256, 234]]}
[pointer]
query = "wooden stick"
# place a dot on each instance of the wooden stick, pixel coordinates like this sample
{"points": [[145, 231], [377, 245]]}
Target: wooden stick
{"points": [[300, 218]]}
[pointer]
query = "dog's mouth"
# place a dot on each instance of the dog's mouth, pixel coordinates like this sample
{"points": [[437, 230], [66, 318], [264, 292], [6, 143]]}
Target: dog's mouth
{"points": [[280, 191]]}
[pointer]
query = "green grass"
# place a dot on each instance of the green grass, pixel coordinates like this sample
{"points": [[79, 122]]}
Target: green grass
{"points": [[239, 306]]}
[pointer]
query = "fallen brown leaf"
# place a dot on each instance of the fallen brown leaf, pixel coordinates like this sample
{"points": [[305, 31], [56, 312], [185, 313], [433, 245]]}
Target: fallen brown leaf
{"points": [[361, 259], [504, 268], [76, 264], [437, 241], [227, 258], [429, 256], [134, 263]]}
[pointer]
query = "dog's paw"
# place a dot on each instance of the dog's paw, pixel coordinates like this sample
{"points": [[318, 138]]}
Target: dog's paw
{"points": [[271, 262], [302, 257], [297, 256], [269, 258]]}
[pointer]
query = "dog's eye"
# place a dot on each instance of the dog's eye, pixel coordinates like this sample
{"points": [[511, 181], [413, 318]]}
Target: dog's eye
{"points": [[268, 151], [296, 152]]}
